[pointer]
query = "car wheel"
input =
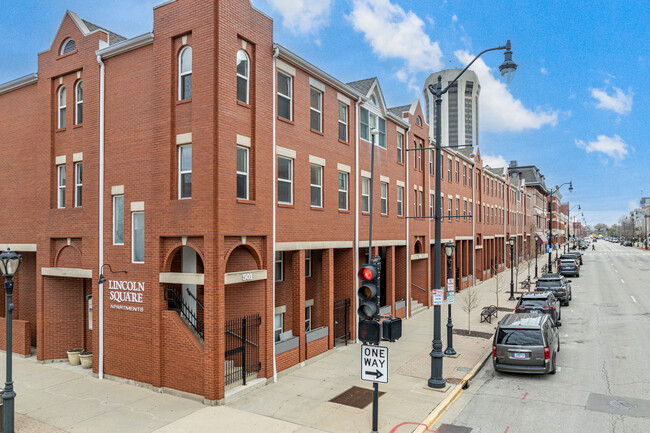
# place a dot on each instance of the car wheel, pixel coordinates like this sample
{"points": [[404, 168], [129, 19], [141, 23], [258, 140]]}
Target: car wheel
{"points": [[553, 367], [577, 275]]}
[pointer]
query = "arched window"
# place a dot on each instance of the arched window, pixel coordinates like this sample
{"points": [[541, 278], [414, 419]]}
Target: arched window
{"points": [[418, 121], [68, 46], [61, 104], [79, 104], [243, 73], [185, 74]]}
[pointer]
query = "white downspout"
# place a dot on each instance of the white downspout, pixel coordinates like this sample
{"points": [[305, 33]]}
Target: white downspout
{"points": [[100, 366], [357, 171], [405, 198], [276, 53], [473, 229]]}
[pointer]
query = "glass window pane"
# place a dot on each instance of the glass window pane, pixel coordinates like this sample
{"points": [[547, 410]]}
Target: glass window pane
{"points": [[284, 168], [284, 84], [343, 200], [343, 112], [186, 60], [118, 219], [138, 236], [316, 174], [80, 91], [314, 99], [186, 185], [343, 181], [315, 196], [242, 186], [62, 118], [62, 97], [284, 192], [343, 132], [242, 160], [186, 87], [284, 108], [314, 120], [242, 90], [242, 64], [186, 158]]}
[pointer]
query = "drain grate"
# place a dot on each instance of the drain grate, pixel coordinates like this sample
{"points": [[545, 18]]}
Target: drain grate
{"points": [[355, 397], [450, 428], [453, 380]]}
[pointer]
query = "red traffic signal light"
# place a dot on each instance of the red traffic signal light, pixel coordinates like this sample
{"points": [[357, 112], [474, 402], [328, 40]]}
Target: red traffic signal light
{"points": [[368, 292]]}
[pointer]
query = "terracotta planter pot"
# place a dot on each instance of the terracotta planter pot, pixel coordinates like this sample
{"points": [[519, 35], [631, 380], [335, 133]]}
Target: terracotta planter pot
{"points": [[86, 359], [73, 356]]}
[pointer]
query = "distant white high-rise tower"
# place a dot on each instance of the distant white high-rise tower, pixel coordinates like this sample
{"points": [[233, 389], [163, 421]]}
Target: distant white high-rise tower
{"points": [[460, 111]]}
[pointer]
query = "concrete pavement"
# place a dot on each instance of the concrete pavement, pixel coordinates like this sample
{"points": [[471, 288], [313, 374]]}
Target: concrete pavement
{"points": [[59, 397]]}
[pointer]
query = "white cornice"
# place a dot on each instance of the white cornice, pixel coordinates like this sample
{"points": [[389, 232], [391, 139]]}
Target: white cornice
{"points": [[18, 83], [124, 46]]}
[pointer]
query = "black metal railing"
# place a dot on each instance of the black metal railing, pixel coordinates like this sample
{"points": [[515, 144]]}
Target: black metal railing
{"points": [[242, 350], [175, 302], [341, 322]]}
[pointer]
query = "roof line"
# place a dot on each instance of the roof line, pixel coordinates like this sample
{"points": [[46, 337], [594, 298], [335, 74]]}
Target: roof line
{"points": [[18, 83]]}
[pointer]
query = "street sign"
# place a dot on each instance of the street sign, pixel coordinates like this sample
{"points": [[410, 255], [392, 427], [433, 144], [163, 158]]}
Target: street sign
{"points": [[374, 363], [450, 284], [438, 296], [450, 297]]}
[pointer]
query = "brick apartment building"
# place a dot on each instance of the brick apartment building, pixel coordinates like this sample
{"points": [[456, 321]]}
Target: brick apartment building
{"points": [[230, 178]]}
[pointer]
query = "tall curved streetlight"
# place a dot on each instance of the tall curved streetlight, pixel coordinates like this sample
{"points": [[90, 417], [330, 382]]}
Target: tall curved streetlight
{"points": [[569, 218], [507, 68], [550, 219], [511, 242]]}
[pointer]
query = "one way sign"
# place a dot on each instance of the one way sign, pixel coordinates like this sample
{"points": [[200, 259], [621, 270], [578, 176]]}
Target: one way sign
{"points": [[374, 363]]}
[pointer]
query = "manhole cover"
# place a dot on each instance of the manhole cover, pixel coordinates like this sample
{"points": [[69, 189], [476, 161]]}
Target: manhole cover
{"points": [[355, 397], [622, 404], [453, 380], [449, 428]]}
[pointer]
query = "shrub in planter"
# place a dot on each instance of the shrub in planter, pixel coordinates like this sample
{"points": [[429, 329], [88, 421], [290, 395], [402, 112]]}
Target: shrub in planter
{"points": [[86, 359], [73, 356]]}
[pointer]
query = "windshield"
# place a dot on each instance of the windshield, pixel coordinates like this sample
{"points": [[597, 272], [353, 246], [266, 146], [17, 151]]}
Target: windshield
{"points": [[534, 302], [520, 337], [549, 283]]}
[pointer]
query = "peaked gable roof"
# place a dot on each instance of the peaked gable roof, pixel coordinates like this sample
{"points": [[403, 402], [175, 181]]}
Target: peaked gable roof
{"points": [[87, 28]]}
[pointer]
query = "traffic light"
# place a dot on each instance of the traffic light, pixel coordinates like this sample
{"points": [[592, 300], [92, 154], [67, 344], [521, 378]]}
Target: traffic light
{"points": [[369, 291], [370, 331], [391, 329]]}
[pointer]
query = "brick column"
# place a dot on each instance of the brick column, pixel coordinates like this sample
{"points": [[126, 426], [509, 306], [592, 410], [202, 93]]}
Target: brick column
{"points": [[327, 287], [389, 274], [298, 296]]}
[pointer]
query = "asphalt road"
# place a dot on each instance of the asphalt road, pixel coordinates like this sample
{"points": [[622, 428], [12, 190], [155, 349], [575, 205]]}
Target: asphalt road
{"points": [[603, 379]]}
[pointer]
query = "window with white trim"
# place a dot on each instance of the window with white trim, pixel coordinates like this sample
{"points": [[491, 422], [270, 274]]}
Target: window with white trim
{"points": [[419, 151], [431, 205], [278, 326], [79, 103], [285, 180], [365, 194], [457, 209], [78, 177], [284, 95], [118, 220], [316, 185], [343, 121], [415, 203], [368, 121], [343, 190], [316, 109], [451, 203], [449, 169], [400, 201], [60, 201], [471, 173], [185, 171], [137, 236], [307, 263], [384, 198], [243, 74], [420, 197], [400, 144], [464, 210], [308, 319], [242, 173], [431, 162], [464, 175], [61, 98], [68, 46], [279, 266], [185, 73], [457, 170]]}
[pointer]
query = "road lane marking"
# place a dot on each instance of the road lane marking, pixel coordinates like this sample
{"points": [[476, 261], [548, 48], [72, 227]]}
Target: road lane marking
{"points": [[633, 298], [622, 281]]}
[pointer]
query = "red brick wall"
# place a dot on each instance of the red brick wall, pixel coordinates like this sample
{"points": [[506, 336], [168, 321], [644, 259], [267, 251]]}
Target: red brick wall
{"points": [[20, 336], [287, 359], [182, 356], [64, 323], [25, 293], [316, 347]]}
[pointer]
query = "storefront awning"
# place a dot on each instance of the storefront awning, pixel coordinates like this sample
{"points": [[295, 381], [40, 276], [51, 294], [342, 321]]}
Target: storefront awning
{"points": [[541, 238]]}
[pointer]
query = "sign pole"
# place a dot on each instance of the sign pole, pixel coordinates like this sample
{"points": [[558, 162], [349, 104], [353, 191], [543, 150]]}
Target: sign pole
{"points": [[375, 407]]}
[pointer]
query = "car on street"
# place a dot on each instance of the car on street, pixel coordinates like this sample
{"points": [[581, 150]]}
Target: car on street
{"points": [[540, 303], [627, 244], [556, 284], [526, 343], [577, 255], [569, 267]]}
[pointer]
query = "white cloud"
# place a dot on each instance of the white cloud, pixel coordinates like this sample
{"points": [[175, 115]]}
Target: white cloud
{"points": [[620, 102], [303, 16], [454, 18], [544, 71], [494, 161], [500, 111], [614, 147], [395, 34]]}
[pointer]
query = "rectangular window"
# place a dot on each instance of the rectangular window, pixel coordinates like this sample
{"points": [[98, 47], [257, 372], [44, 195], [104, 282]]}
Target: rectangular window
{"points": [[185, 171], [285, 180], [78, 177], [368, 121], [279, 266], [450, 204], [137, 236], [400, 145], [471, 173], [449, 169], [284, 95], [420, 200], [118, 220], [242, 173], [457, 170], [307, 263], [400, 201], [464, 210], [343, 191], [364, 124], [365, 194], [420, 157], [61, 186], [415, 203], [469, 86], [316, 185], [431, 162], [464, 175], [343, 122], [307, 319], [278, 326], [452, 118], [384, 198], [316, 110], [430, 205], [457, 209]]}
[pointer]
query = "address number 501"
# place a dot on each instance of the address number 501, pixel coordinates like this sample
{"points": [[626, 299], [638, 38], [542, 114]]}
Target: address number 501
{"points": [[247, 276]]}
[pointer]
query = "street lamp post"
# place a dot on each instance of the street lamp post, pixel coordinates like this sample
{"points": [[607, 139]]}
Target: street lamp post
{"points": [[9, 263], [450, 247], [511, 242], [507, 68], [550, 219], [536, 252]]}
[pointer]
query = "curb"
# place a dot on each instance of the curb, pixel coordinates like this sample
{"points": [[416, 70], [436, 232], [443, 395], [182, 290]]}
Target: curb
{"points": [[437, 412]]}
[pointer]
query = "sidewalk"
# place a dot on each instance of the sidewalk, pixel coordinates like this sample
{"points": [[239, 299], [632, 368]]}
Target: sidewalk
{"points": [[58, 397]]}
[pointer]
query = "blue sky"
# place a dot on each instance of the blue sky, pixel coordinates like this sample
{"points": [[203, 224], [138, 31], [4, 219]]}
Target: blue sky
{"points": [[577, 108]]}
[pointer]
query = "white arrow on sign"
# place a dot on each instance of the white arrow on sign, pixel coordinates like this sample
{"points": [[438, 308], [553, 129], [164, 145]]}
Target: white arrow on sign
{"points": [[374, 363]]}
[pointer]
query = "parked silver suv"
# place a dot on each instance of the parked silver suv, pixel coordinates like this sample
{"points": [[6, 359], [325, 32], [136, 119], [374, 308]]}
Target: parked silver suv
{"points": [[526, 343]]}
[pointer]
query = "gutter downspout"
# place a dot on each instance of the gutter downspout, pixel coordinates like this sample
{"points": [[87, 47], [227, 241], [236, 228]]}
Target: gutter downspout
{"points": [[473, 230], [276, 53], [100, 366], [405, 196], [357, 171]]}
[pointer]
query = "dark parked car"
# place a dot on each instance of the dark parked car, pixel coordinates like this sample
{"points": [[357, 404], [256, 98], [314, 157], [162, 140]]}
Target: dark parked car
{"points": [[569, 267], [573, 254], [540, 303], [556, 284], [628, 244], [526, 343]]}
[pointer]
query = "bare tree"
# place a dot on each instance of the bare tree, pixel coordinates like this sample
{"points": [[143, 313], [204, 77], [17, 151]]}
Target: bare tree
{"points": [[470, 302]]}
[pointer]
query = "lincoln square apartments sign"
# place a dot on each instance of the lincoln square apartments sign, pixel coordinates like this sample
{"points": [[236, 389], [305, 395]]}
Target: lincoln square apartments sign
{"points": [[126, 295]]}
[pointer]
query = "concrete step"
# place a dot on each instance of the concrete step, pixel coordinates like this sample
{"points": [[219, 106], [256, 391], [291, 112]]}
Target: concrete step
{"points": [[416, 307]]}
